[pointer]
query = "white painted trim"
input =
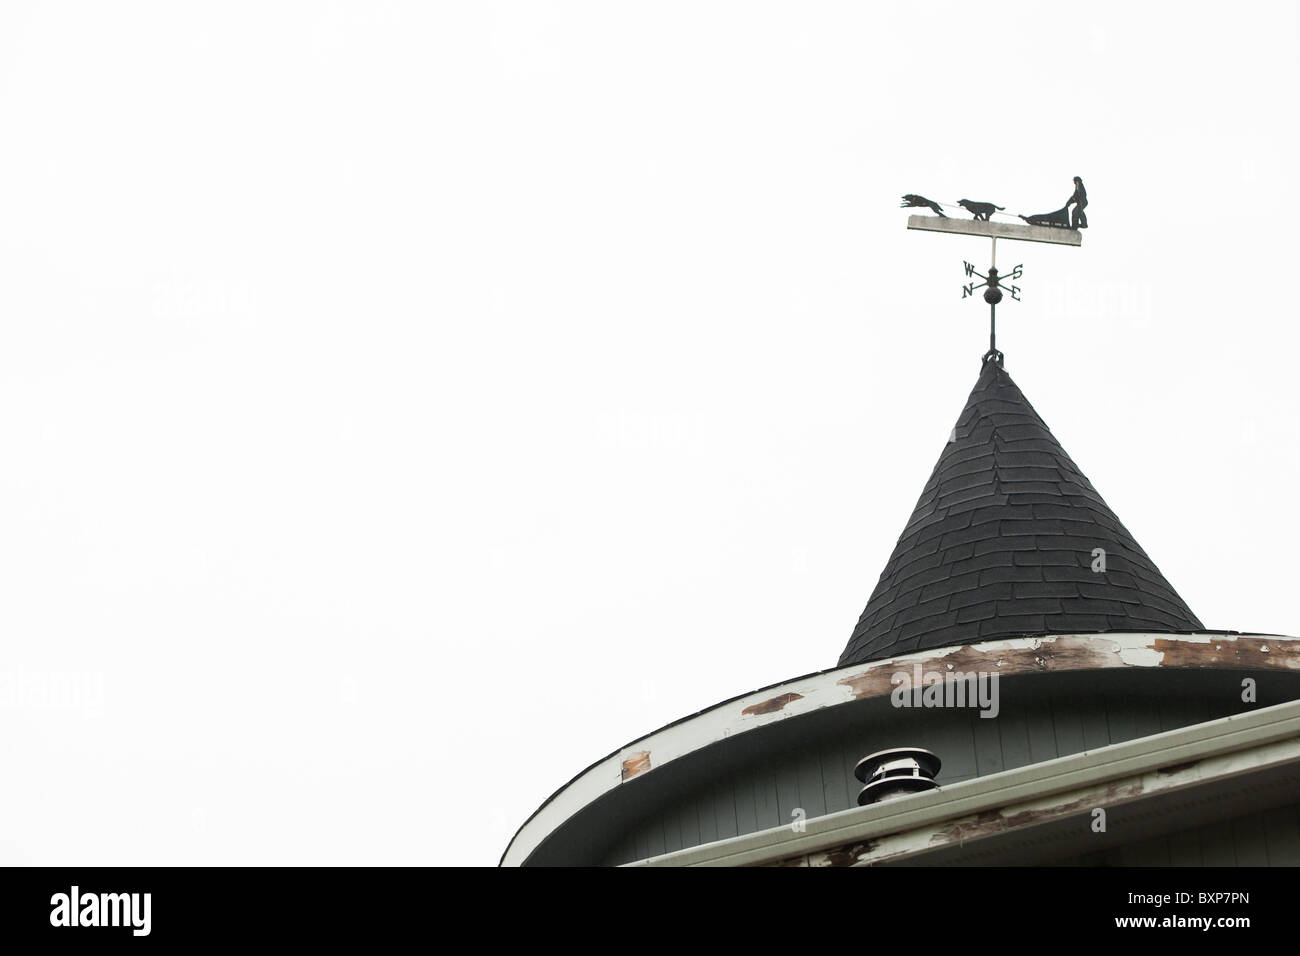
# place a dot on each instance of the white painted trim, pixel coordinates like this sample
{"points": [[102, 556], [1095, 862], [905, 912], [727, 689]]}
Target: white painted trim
{"points": [[846, 684]]}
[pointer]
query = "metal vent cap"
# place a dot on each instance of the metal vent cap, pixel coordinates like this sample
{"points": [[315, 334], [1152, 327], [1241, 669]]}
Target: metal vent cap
{"points": [[896, 773]]}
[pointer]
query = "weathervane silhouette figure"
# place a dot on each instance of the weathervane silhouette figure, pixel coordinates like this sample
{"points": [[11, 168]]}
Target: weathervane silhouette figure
{"points": [[1059, 227], [913, 200], [1062, 216], [1080, 202], [981, 210]]}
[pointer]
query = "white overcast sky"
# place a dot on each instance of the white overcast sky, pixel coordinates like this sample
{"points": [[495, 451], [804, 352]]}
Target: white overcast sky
{"points": [[404, 405]]}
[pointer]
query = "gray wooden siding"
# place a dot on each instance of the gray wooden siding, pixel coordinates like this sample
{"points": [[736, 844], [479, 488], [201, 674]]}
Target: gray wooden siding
{"points": [[820, 779]]}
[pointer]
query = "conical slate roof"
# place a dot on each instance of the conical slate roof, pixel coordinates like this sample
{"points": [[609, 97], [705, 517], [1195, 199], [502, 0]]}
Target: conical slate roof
{"points": [[1002, 544]]}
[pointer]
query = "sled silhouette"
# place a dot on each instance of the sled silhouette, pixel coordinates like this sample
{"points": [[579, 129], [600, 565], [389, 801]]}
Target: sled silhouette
{"points": [[1059, 218]]}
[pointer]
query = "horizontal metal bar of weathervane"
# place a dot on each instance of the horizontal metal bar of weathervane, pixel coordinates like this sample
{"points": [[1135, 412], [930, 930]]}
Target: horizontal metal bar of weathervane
{"points": [[997, 230]]}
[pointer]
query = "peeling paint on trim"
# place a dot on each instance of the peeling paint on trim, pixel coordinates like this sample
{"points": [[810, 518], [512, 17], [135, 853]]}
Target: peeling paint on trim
{"points": [[773, 705], [910, 844], [1017, 801], [1023, 655], [636, 763]]}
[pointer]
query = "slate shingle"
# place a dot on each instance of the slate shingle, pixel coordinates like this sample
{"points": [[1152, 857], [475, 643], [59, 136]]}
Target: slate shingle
{"points": [[1000, 545]]}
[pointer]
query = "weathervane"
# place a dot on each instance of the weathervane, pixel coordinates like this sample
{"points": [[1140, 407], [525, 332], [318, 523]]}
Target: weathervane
{"points": [[1059, 227], [992, 295]]}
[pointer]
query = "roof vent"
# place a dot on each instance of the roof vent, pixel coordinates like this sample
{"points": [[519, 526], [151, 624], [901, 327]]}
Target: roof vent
{"points": [[890, 774]]}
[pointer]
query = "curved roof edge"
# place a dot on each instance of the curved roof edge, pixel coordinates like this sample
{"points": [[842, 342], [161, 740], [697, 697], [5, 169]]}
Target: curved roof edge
{"points": [[842, 685]]}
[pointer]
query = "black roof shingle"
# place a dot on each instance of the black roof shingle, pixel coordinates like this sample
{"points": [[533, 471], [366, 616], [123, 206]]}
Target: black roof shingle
{"points": [[1001, 545]]}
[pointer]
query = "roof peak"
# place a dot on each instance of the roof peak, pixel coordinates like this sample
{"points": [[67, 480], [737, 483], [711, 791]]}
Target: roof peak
{"points": [[1009, 538]]}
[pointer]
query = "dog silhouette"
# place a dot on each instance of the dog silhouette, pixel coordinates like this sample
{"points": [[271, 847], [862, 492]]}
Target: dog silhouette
{"points": [[911, 199], [981, 210]]}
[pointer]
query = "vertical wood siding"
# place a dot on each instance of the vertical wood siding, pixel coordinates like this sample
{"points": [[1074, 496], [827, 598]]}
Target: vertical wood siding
{"points": [[819, 779]]}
